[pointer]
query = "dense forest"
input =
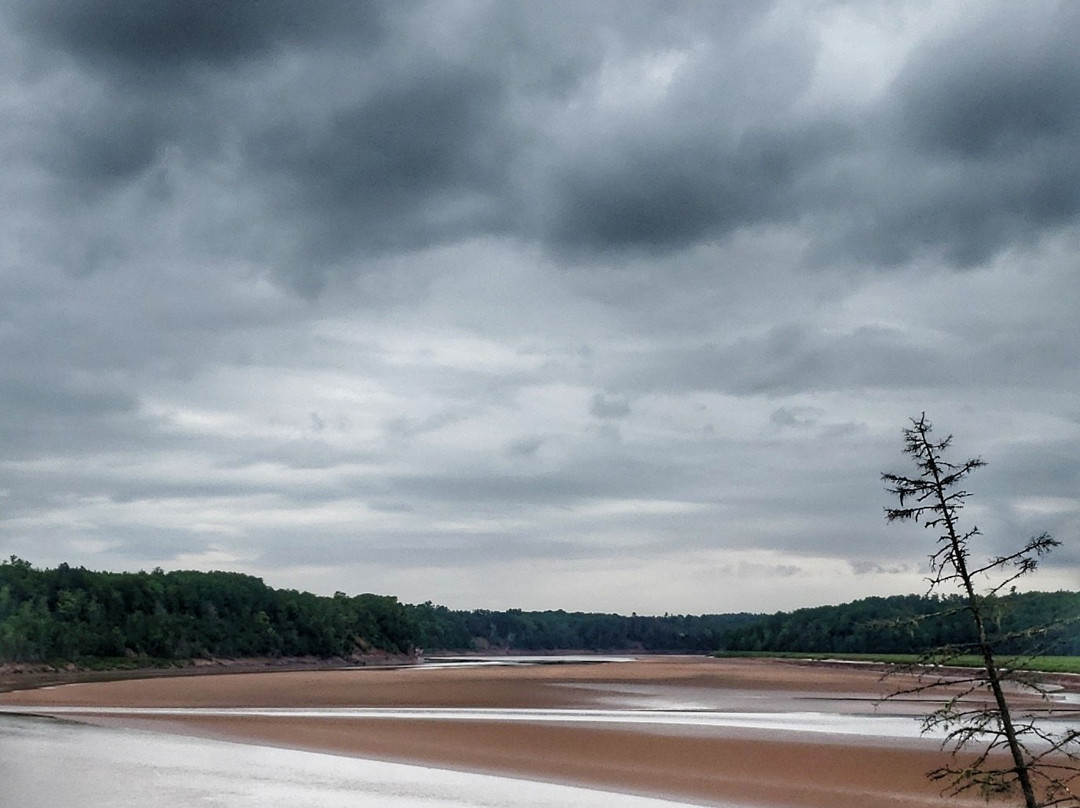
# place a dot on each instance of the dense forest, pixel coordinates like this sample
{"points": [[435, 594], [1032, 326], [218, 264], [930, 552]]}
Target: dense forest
{"points": [[70, 613], [1032, 622]]}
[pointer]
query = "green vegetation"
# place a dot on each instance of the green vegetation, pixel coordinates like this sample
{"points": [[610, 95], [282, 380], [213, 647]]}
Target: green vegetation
{"points": [[1044, 623], [560, 630], [1041, 664], [116, 620], [74, 614]]}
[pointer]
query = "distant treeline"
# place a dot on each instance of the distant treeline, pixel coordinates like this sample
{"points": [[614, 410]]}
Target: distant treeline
{"points": [[1032, 622], [559, 630], [70, 613]]}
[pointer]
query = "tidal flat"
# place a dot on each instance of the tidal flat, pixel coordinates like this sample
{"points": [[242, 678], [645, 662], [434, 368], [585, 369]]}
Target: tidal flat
{"points": [[678, 730]]}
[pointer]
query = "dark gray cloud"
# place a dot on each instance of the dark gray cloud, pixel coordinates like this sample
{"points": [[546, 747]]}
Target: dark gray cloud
{"points": [[626, 297], [981, 92], [409, 165], [650, 132], [982, 133], [153, 40]]}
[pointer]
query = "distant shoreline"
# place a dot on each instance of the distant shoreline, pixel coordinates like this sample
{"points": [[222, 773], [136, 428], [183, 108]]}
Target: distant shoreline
{"points": [[29, 675]]}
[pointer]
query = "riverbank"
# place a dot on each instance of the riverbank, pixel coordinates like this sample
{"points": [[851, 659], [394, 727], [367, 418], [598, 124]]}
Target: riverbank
{"points": [[741, 765], [31, 675]]}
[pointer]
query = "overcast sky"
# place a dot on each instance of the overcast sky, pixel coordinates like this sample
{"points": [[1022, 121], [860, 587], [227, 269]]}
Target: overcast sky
{"points": [[611, 306]]}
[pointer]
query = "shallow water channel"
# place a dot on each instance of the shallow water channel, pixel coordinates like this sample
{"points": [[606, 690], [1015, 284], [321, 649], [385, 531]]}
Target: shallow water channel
{"points": [[48, 762]]}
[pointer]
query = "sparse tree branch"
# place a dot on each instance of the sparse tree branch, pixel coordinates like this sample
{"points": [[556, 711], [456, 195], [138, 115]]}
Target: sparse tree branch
{"points": [[1044, 763]]}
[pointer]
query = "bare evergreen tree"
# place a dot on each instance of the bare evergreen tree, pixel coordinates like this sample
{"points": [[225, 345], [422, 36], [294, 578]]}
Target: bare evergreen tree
{"points": [[1043, 765]]}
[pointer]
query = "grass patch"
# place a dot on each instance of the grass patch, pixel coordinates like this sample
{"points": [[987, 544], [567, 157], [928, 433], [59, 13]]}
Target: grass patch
{"points": [[1042, 664]]}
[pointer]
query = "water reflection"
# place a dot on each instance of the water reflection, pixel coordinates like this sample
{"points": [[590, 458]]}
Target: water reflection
{"points": [[884, 728], [515, 660], [45, 763]]}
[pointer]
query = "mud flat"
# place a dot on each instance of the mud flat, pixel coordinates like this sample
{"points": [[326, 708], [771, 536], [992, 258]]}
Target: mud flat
{"points": [[783, 733]]}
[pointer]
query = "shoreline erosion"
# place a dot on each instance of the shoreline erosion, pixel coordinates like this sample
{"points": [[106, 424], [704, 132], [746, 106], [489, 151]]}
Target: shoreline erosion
{"points": [[708, 765]]}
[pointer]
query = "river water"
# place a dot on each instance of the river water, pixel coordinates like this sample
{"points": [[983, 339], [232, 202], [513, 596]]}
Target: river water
{"points": [[46, 763], [873, 728], [50, 760]]}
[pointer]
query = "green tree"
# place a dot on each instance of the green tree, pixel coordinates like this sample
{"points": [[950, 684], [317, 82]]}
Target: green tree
{"points": [[1043, 764]]}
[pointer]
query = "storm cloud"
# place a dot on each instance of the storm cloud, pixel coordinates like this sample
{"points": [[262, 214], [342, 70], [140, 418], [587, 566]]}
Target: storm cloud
{"points": [[585, 305]]}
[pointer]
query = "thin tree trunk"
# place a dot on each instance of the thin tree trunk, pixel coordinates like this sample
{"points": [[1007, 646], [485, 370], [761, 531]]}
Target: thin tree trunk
{"points": [[1020, 766]]}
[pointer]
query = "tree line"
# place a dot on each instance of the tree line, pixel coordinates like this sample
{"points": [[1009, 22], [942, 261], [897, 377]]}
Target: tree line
{"points": [[1022, 623], [71, 613]]}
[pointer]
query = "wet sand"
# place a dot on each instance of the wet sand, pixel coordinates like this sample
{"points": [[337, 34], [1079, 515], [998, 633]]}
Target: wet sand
{"points": [[742, 766]]}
